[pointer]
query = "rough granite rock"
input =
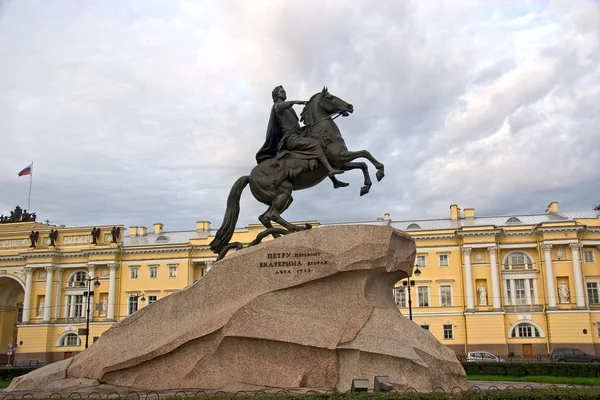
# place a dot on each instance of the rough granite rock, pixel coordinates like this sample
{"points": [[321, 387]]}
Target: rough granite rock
{"points": [[311, 309]]}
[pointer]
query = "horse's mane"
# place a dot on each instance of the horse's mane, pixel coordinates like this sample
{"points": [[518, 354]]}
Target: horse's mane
{"points": [[307, 114]]}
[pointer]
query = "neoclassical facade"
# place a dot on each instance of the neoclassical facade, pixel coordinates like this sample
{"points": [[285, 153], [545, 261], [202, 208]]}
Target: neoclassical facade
{"points": [[519, 284]]}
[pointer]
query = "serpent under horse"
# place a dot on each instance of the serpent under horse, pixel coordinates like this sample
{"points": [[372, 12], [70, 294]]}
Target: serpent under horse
{"points": [[299, 174]]}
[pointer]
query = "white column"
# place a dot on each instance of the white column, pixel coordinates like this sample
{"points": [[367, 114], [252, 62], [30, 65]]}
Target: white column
{"points": [[191, 273], [110, 315], [496, 302], [48, 297], [528, 291], [208, 265], [468, 279], [535, 291], [27, 298], [66, 305], [72, 306], [550, 287], [578, 275], [91, 271], [59, 272], [513, 293]]}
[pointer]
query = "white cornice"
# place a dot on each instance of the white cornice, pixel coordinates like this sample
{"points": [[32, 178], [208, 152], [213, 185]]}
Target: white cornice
{"points": [[434, 236], [517, 246], [554, 229], [12, 258], [479, 245], [100, 251], [159, 251], [527, 232], [590, 242], [486, 232], [560, 241], [153, 262]]}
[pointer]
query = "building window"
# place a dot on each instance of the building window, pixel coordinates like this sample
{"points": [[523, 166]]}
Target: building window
{"points": [[508, 292], [445, 295], [70, 339], [77, 278], [152, 299], [423, 292], [172, 271], [531, 291], [426, 327], [598, 329], [422, 261], [448, 331], [588, 256], [153, 272], [443, 260], [517, 260], [592, 289], [133, 305], [134, 272], [400, 296], [520, 292], [75, 306], [524, 330]]}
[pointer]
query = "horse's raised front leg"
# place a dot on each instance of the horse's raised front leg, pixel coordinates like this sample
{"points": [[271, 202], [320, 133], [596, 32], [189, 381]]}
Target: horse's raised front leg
{"points": [[348, 156], [363, 166]]}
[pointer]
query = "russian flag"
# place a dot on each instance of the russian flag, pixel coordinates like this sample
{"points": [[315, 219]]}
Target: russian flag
{"points": [[26, 170]]}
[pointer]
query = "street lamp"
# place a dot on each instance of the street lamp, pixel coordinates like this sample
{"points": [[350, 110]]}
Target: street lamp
{"points": [[408, 283], [136, 297], [89, 294]]}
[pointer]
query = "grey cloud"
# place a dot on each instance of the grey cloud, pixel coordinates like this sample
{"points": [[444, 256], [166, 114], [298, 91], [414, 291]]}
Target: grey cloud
{"points": [[141, 112]]}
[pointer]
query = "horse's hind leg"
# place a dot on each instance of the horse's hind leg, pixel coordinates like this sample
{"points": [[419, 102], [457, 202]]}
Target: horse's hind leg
{"points": [[279, 205], [360, 165], [352, 155], [267, 222]]}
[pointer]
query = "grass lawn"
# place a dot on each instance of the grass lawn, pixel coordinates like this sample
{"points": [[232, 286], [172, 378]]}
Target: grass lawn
{"points": [[566, 380], [4, 384]]}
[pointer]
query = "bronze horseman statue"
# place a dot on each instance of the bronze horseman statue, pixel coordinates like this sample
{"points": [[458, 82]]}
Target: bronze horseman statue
{"points": [[294, 158]]}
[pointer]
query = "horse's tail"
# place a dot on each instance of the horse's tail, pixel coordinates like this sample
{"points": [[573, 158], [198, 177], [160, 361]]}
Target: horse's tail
{"points": [[227, 228]]}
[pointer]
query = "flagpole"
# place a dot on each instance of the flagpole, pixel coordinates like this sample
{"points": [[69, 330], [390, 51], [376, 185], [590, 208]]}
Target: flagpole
{"points": [[30, 181]]}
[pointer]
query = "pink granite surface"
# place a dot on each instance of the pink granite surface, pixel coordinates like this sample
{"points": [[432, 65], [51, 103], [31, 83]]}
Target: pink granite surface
{"points": [[311, 309]]}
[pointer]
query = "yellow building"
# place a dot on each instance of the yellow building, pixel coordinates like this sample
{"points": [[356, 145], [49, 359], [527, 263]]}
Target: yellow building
{"points": [[518, 284]]}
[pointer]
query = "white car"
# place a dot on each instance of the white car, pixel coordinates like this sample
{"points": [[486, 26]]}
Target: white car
{"points": [[482, 356]]}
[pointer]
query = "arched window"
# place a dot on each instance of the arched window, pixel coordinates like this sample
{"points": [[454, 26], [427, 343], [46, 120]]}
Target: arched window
{"points": [[69, 339], [162, 238], [517, 260], [77, 278], [525, 330], [413, 226], [513, 220]]}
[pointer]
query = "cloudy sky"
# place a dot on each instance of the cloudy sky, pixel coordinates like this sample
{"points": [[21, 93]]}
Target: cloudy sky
{"points": [[145, 111]]}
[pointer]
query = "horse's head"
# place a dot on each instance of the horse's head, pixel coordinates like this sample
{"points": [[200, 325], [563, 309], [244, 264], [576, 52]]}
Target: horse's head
{"points": [[324, 103], [333, 104]]}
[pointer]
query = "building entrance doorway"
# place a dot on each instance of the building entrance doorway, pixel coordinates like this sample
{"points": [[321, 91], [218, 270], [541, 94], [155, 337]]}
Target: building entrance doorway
{"points": [[527, 350], [11, 310]]}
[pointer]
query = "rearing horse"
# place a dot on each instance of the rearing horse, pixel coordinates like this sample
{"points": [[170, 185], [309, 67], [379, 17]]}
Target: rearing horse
{"points": [[299, 174]]}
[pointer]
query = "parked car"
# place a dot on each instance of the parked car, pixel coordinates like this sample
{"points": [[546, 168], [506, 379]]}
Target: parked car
{"points": [[567, 354], [482, 356], [31, 364]]}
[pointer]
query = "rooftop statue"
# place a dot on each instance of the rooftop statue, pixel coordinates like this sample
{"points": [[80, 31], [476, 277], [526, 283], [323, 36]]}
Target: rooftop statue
{"points": [[294, 157]]}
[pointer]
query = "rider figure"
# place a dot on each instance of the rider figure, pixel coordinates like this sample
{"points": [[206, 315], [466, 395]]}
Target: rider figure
{"points": [[284, 133]]}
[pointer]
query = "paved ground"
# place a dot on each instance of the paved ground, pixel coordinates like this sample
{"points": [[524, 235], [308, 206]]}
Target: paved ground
{"points": [[104, 391]]}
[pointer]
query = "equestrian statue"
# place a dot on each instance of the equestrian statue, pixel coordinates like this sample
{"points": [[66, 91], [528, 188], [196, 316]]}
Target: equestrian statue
{"points": [[294, 158]]}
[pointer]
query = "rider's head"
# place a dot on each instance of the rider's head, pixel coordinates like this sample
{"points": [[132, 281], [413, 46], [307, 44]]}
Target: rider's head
{"points": [[275, 94]]}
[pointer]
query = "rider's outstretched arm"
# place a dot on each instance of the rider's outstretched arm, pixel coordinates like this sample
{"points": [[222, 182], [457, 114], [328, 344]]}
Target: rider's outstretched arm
{"points": [[284, 105]]}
